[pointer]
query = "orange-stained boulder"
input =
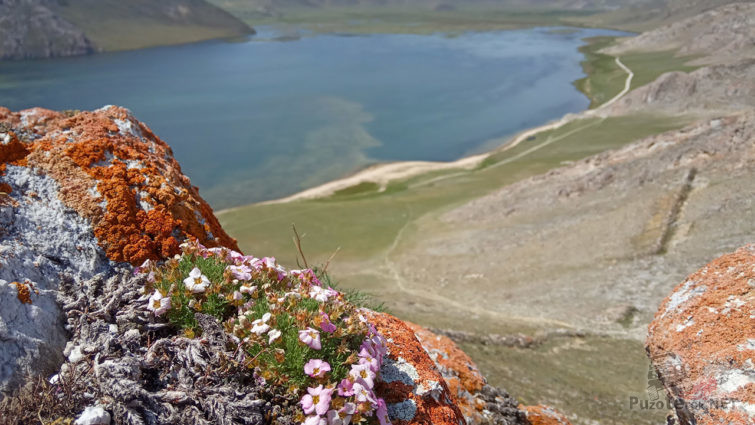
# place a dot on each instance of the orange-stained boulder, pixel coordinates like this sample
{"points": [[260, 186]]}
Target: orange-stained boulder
{"points": [[115, 173], [79, 193], [410, 383], [544, 415], [480, 403], [702, 342]]}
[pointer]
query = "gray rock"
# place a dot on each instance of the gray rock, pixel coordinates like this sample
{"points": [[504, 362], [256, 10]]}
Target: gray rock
{"points": [[42, 241]]}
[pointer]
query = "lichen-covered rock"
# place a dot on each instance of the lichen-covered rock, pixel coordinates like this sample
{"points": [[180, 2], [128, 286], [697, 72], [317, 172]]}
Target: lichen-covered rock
{"points": [[702, 342], [410, 383], [544, 415], [479, 402], [79, 193]]}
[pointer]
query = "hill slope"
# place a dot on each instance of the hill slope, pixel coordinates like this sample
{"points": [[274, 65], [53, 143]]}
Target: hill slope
{"points": [[49, 28]]}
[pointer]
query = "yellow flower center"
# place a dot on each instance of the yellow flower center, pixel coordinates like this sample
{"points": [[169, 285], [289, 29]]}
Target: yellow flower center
{"points": [[315, 399], [197, 280], [316, 371]]}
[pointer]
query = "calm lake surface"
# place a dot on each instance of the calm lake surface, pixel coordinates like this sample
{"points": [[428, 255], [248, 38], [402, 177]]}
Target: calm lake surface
{"points": [[261, 119]]}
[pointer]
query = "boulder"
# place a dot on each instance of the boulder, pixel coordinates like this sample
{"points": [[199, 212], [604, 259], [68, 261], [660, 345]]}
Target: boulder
{"points": [[702, 343], [80, 193], [410, 383]]}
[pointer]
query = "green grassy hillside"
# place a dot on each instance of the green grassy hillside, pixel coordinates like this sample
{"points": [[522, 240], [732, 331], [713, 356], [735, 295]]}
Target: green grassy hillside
{"points": [[133, 24]]}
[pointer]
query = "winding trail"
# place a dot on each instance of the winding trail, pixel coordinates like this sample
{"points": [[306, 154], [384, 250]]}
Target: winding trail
{"points": [[394, 270]]}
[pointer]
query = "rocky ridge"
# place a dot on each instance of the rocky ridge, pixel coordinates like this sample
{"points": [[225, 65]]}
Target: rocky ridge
{"points": [[31, 29], [52, 28], [723, 35]]}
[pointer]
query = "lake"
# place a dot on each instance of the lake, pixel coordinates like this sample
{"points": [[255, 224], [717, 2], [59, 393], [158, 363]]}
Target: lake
{"points": [[259, 119]]}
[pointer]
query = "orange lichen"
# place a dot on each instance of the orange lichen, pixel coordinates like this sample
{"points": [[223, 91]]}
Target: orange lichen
{"points": [[13, 152], [149, 205], [438, 409], [703, 326], [24, 291], [544, 415]]}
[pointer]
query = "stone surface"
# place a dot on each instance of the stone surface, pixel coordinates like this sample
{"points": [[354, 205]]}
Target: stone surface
{"points": [[31, 29], [136, 369], [479, 402], [544, 415], [410, 383], [702, 342], [78, 193]]}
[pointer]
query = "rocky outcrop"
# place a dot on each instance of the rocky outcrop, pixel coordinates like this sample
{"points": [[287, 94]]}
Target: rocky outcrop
{"points": [[723, 35], [80, 193], [87, 196], [31, 29], [702, 343], [711, 89], [411, 384], [51, 28]]}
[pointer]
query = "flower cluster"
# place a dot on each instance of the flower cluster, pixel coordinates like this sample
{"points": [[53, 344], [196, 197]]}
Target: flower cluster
{"points": [[294, 332]]}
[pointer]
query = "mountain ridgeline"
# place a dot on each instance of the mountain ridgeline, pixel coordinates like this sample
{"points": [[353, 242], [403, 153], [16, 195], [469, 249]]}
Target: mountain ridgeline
{"points": [[51, 28]]}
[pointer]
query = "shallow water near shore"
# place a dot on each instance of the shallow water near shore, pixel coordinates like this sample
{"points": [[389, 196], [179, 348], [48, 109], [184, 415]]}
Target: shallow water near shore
{"points": [[257, 120]]}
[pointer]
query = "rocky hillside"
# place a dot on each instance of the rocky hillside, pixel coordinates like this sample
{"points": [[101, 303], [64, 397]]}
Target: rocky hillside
{"points": [[30, 29], [49, 28], [722, 35], [198, 333]]}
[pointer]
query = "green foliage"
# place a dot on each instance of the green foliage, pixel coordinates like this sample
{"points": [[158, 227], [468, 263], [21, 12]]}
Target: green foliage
{"points": [[272, 299]]}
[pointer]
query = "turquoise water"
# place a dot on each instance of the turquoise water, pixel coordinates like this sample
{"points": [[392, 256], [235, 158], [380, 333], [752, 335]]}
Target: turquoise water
{"points": [[258, 119]]}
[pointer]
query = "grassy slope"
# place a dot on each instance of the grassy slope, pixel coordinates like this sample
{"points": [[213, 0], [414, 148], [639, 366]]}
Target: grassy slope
{"points": [[605, 79], [134, 24], [365, 223]]}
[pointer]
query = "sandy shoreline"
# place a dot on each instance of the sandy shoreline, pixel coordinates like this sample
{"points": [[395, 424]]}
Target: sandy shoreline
{"points": [[384, 173]]}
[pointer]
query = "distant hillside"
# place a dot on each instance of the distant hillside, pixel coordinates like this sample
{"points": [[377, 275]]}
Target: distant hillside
{"points": [[29, 28], [638, 15], [48, 28]]}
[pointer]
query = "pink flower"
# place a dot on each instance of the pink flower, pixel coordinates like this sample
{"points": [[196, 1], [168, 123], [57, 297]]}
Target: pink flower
{"points": [[326, 325], [241, 272], [362, 392], [319, 293], [367, 359], [345, 388], [339, 417], [315, 420], [317, 400], [316, 368], [311, 337], [363, 372], [382, 412]]}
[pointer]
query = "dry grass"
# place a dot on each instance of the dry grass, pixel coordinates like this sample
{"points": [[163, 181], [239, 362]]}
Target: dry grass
{"points": [[39, 402]]}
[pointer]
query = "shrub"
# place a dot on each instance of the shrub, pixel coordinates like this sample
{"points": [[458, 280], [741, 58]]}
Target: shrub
{"points": [[296, 333]]}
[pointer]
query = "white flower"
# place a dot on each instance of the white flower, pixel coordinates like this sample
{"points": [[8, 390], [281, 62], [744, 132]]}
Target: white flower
{"points": [[319, 293], [158, 303], [247, 289], [196, 282], [259, 326], [273, 334], [237, 295], [266, 317]]}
